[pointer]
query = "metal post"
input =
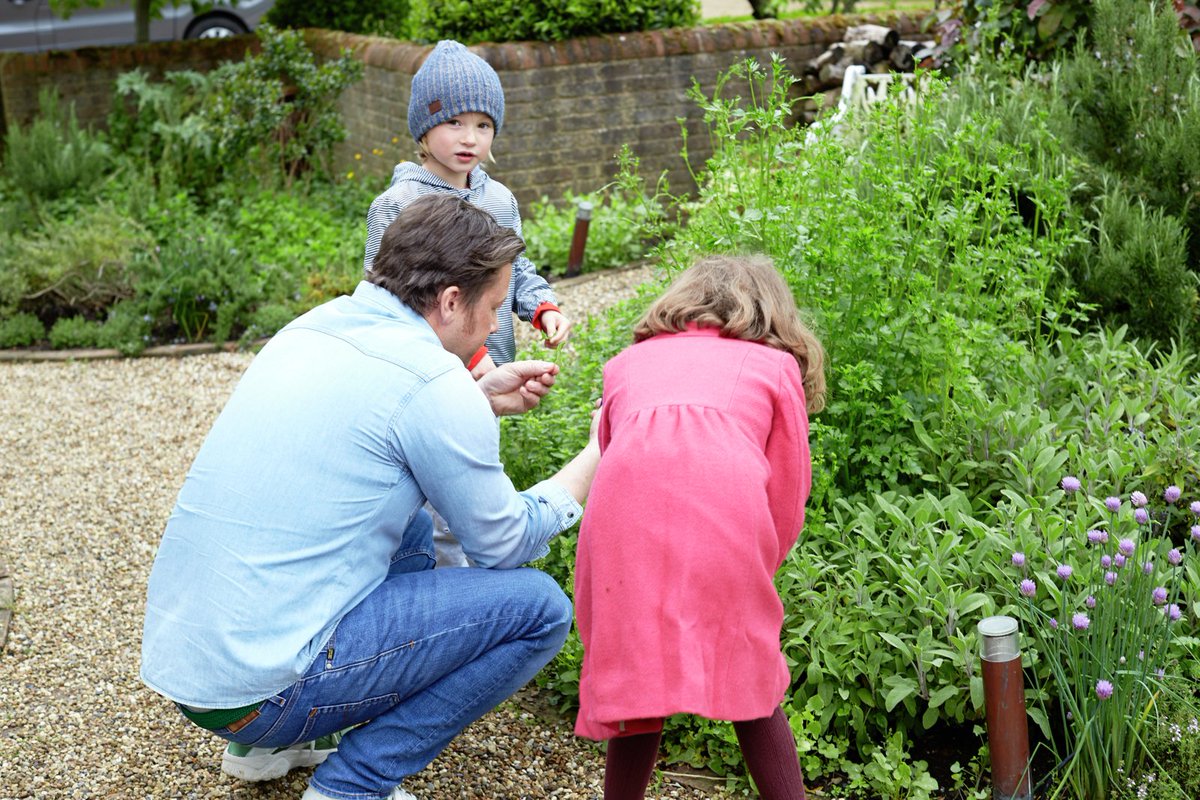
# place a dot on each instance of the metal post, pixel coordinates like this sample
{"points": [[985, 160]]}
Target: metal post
{"points": [[1004, 695], [583, 216]]}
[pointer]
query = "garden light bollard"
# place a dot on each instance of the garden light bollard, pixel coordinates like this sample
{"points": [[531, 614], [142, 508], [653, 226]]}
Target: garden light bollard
{"points": [[1004, 696], [583, 217]]}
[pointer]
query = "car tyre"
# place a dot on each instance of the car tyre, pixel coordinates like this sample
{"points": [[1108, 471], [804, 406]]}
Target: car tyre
{"points": [[215, 26]]}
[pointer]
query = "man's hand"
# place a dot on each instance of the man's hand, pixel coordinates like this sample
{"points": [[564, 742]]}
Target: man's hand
{"points": [[518, 387], [555, 326]]}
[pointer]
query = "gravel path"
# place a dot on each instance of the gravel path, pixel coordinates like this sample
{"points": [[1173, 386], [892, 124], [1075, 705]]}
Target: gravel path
{"points": [[92, 454]]}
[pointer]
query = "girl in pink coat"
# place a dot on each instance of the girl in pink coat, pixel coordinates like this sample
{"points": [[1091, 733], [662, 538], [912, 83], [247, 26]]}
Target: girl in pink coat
{"points": [[698, 498]]}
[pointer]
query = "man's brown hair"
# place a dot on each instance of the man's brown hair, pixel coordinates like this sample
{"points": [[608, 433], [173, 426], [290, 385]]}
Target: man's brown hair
{"points": [[440, 240]]}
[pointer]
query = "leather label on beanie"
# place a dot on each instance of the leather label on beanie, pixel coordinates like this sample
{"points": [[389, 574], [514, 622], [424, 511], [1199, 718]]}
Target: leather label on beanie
{"points": [[435, 106]]}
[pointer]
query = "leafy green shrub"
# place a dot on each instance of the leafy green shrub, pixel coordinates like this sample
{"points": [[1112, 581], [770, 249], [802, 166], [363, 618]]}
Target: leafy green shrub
{"points": [[1134, 103], [53, 156], [614, 237], [273, 113], [544, 20], [83, 265], [1038, 30], [161, 122], [389, 18], [266, 321], [294, 232], [21, 330], [1137, 271], [279, 108], [72, 332], [200, 287], [126, 328]]}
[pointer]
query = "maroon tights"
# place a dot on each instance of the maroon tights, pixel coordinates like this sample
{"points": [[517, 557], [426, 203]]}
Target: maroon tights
{"points": [[767, 745]]}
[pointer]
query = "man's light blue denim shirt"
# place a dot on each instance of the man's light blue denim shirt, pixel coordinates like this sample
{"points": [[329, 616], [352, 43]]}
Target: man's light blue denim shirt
{"points": [[346, 422]]}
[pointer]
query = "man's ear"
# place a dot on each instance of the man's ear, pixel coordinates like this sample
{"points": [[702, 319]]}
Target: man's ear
{"points": [[450, 304]]}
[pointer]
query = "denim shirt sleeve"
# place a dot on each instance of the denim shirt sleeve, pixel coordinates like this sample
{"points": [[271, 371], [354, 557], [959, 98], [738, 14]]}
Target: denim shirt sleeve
{"points": [[448, 438]]}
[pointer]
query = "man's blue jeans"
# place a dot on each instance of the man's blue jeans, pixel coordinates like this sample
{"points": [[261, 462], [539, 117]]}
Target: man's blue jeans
{"points": [[423, 656]]}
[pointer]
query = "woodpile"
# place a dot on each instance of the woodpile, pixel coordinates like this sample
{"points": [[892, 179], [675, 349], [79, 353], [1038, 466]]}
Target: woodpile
{"points": [[877, 48]]}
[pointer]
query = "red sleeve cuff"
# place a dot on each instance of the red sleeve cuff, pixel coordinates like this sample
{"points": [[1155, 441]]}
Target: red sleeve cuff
{"points": [[537, 313], [475, 359]]}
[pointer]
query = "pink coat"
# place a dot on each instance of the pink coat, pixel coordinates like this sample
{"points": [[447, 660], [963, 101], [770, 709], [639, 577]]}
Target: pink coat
{"points": [[698, 498]]}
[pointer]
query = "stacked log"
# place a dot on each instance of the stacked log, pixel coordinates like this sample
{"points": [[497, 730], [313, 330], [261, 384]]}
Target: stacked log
{"points": [[878, 48]]}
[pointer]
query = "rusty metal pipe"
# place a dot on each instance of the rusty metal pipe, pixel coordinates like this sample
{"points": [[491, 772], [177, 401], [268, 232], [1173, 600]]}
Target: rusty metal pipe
{"points": [[1004, 696], [583, 217]]}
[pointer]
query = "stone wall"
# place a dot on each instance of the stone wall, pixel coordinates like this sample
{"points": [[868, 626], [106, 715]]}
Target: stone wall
{"points": [[570, 106]]}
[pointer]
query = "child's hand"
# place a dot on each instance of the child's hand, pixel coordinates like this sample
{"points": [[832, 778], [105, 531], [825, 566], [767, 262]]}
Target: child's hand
{"points": [[555, 326], [484, 366], [594, 428]]}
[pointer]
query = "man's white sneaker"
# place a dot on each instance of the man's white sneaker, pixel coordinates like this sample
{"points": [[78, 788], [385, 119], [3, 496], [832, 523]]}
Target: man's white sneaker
{"points": [[266, 763], [397, 794]]}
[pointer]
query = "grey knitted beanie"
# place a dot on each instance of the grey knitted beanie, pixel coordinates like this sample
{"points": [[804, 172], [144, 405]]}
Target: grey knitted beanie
{"points": [[453, 81]]}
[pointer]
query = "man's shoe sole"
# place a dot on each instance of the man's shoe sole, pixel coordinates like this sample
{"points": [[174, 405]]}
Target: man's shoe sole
{"points": [[271, 766]]}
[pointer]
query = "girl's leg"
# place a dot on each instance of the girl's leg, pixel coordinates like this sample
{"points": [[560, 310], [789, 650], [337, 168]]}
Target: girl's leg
{"points": [[630, 765], [770, 752]]}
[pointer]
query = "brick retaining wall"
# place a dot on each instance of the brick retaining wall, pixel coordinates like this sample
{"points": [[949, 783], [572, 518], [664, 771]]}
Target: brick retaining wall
{"points": [[570, 106]]}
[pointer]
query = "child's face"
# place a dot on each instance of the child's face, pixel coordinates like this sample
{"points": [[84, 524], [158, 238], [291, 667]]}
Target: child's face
{"points": [[457, 145]]}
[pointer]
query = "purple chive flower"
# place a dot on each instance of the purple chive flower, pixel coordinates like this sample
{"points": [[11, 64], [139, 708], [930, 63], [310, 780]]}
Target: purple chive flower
{"points": [[1196, 532], [1118, 560], [1141, 516], [1018, 558], [1137, 500], [1173, 612], [1064, 571], [1172, 493], [1160, 672], [1080, 621], [1113, 504], [1106, 561], [1125, 546], [1147, 568], [1097, 537], [1110, 577], [1053, 624], [1104, 689], [1028, 588], [1195, 507], [1159, 595], [1070, 484], [1090, 602], [1174, 556]]}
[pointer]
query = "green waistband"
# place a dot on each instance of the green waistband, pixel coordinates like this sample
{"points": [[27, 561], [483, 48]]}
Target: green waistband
{"points": [[218, 717]]}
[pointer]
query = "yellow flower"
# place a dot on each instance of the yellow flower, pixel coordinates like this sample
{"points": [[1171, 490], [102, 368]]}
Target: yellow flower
{"points": [[377, 151], [395, 140], [358, 156], [350, 175]]}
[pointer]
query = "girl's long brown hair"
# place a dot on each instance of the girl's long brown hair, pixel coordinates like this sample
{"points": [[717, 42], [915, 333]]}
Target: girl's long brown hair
{"points": [[746, 298]]}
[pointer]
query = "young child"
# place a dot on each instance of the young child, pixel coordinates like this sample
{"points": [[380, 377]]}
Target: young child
{"points": [[455, 109], [698, 498]]}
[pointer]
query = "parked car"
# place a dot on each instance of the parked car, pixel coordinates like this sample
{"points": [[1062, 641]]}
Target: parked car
{"points": [[30, 25]]}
